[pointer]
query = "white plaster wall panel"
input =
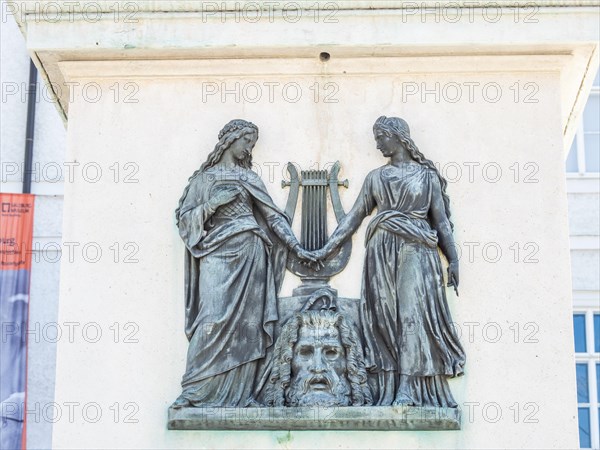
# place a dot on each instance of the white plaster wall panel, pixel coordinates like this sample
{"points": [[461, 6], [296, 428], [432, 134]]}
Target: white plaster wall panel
{"points": [[584, 214], [585, 267], [48, 217], [14, 74], [168, 134]]}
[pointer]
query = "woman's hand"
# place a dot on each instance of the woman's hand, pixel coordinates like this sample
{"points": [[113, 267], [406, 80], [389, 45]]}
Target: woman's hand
{"points": [[326, 252], [320, 254], [307, 258], [453, 275], [224, 196]]}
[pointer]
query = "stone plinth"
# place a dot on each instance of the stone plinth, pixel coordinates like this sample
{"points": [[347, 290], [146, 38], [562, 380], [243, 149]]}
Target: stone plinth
{"points": [[377, 418]]}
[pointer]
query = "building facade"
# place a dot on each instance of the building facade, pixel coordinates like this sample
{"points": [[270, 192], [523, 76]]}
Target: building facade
{"points": [[583, 185], [50, 173]]}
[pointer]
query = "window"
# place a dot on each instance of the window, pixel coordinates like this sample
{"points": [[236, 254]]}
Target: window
{"points": [[584, 156], [586, 325]]}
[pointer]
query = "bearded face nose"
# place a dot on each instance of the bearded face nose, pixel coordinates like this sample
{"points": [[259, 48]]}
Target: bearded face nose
{"points": [[317, 365]]}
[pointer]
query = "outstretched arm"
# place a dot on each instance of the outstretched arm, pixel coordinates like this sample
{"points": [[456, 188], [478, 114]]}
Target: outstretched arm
{"points": [[363, 206], [441, 224], [280, 226]]}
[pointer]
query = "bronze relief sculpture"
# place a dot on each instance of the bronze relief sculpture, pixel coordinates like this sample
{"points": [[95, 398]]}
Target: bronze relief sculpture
{"points": [[410, 344], [392, 348], [318, 360], [235, 237]]}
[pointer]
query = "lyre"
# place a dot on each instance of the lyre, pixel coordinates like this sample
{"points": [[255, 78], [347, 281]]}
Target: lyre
{"points": [[315, 184]]}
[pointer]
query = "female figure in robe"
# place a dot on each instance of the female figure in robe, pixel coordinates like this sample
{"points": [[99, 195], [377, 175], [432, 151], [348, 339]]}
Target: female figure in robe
{"points": [[410, 346], [236, 243]]}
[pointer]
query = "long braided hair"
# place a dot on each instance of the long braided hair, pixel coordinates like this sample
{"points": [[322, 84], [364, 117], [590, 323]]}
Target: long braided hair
{"points": [[398, 127], [231, 132]]}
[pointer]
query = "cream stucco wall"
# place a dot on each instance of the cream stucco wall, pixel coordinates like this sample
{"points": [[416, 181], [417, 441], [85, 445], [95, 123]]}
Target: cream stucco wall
{"points": [[169, 132]]}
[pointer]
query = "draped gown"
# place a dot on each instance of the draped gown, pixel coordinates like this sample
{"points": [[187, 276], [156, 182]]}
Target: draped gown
{"points": [[405, 320], [234, 263]]}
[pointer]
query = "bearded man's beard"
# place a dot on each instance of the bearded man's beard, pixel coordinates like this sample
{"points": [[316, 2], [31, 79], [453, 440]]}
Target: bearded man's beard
{"points": [[299, 393]]}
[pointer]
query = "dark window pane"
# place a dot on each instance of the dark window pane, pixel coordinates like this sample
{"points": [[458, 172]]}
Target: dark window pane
{"points": [[572, 158], [584, 428], [579, 328], [598, 382], [582, 383], [597, 333], [592, 152]]}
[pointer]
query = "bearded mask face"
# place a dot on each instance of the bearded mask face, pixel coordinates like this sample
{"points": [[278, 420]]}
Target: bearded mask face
{"points": [[318, 369]]}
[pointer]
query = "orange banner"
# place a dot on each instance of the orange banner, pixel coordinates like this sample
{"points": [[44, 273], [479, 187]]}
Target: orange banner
{"points": [[16, 231], [16, 235]]}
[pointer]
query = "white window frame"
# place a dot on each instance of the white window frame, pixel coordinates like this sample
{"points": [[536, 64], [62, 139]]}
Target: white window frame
{"points": [[590, 358]]}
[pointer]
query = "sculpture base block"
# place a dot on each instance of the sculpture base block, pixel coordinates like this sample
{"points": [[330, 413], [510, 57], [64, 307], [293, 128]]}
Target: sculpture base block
{"points": [[315, 418]]}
